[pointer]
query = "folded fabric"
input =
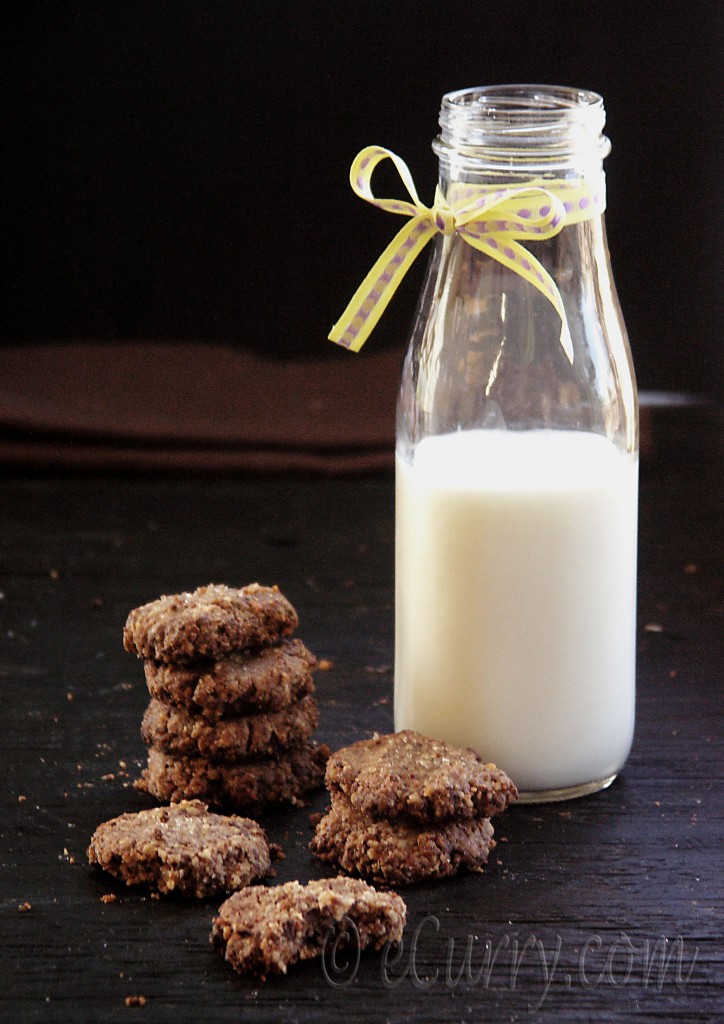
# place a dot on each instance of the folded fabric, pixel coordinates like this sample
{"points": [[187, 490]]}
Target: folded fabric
{"points": [[188, 406]]}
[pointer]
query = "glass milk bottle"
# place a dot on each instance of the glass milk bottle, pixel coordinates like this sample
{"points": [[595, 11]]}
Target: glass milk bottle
{"points": [[517, 455]]}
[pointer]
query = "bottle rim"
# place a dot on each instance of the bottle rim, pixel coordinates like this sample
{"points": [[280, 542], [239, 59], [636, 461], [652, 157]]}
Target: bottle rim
{"points": [[543, 126]]}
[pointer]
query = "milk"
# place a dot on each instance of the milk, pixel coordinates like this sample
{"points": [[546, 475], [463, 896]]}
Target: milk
{"points": [[515, 601]]}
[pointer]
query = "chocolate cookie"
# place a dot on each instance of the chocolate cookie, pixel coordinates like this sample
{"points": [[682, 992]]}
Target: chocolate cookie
{"points": [[263, 930], [184, 849], [229, 739], [251, 783], [262, 680], [208, 623], [400, 852], [410, 775]]}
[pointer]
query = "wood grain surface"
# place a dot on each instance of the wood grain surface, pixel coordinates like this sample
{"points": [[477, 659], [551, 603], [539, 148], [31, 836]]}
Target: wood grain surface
{"points": [[604, 909]]}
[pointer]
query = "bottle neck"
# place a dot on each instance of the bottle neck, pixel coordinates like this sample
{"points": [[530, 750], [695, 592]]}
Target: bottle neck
{"points": [[509, 135], [543, 145]]}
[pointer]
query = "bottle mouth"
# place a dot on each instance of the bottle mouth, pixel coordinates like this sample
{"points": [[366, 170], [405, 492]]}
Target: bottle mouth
{"points": [[544, 126]]}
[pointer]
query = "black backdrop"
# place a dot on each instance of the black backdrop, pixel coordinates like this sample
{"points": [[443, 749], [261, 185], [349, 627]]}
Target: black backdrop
{"points": [[179, 169]]}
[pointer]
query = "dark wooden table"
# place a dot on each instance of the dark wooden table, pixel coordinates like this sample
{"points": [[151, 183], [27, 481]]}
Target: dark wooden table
{"points": [[604, 909]]}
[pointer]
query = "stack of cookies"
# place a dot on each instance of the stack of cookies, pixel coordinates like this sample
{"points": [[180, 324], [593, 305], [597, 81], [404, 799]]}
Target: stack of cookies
{"points": [[406, 808], [232, 710]]}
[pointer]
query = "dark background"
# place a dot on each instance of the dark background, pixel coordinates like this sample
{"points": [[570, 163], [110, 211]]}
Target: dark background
{"points": [[179, 170]]}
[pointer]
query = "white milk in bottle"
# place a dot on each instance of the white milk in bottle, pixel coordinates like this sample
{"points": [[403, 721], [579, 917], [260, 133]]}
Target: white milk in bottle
{"points": [[515, 601]]}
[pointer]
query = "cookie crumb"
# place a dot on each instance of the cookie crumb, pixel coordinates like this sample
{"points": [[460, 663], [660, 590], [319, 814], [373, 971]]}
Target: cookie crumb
{"points": [[325, 665], [24, 907], [135, 1000], [22, 798], [109, 897]]}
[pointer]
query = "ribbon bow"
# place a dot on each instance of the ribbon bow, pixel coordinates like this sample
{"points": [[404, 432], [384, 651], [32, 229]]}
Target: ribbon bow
{"points": [[490, 218]]}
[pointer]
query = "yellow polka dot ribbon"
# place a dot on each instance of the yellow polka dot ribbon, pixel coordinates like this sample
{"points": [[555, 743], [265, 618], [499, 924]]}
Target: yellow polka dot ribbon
{"points": [[491, 218]]}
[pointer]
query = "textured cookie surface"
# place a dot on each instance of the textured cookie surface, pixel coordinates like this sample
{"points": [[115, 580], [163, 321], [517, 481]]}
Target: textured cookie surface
{"points": [[400, 852], [184, 848], [208, 623], [252, 783], [263, 930], [413, 776], [262, 680], [229, 739]]}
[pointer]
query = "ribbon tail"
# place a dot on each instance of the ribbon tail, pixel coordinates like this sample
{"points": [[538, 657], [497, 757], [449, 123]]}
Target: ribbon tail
{"points": [[514, 256], [371, 298]]}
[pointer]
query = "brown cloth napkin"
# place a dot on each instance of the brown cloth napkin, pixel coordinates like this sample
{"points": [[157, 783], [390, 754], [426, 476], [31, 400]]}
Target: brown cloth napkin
{"points": [[195, 407]]}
